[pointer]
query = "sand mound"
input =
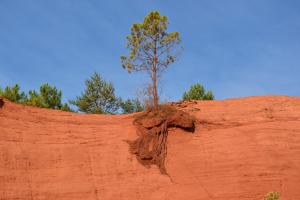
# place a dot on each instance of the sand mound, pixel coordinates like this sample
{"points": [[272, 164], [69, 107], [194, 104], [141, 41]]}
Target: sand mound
{"points": [[152, 127], [241, 149]]}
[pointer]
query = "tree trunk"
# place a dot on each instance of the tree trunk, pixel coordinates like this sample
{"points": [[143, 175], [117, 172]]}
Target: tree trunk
{"points": [[154, 79]]}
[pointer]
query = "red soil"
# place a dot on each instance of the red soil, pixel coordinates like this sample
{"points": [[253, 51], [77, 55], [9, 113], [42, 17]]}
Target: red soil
{"points": [[241, 149]]}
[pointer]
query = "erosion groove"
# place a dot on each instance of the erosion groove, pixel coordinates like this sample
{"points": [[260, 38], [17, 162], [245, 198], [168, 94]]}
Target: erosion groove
{"points": [[152, 128]]}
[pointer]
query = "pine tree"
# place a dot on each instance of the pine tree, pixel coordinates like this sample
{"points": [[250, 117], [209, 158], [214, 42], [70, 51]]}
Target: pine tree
{"points": [[98, 97], [152, 49]]}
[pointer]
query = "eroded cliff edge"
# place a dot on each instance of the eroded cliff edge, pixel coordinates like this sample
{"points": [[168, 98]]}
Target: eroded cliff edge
{"points": [[241, 149]]}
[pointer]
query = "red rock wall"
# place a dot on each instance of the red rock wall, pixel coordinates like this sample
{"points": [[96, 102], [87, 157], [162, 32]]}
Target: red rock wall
{"points": [[242, 149]]}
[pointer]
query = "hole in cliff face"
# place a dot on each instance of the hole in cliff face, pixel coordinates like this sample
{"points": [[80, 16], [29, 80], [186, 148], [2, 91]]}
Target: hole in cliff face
{"points": [[152, 126], [1, 102]]}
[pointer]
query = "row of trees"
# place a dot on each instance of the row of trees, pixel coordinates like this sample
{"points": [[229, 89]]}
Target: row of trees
{"points": [[98, 97], [47, 97]]}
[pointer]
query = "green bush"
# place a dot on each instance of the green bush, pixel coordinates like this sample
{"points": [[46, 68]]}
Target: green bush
{"points": [[98, 97], [131, 106], [13, 94], [197, 92], [35, 99], [66, 107], [51, 96], [272, 196], [47, 97]]}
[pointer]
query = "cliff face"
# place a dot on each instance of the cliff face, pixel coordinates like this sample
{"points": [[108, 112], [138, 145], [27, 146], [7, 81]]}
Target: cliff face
{"points": [[241, 149]]}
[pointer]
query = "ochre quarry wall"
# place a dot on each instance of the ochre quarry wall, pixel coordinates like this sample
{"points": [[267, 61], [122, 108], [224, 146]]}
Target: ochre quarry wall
{"points": [[241, 149]]}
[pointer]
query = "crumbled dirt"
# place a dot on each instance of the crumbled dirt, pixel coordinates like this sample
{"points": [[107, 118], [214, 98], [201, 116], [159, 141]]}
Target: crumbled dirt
{"points": [[152, 127]]}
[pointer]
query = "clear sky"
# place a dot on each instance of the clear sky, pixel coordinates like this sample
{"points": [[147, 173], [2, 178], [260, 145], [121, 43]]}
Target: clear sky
{"points": [[233, 47]]}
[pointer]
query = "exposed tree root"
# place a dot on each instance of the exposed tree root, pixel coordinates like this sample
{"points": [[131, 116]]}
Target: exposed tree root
{"points": [[152, 127]]}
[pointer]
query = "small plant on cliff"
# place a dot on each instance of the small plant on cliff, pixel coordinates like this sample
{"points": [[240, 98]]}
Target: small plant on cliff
{"points": [[35, 99], [14, 94], [98, 97], [197, 92], [272, 196], [48, 97], [152, 49], [66, 107]]}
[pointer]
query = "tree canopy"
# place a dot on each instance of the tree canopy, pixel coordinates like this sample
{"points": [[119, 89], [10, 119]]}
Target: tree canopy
{"points": [[131, 106], [14, 94], [98, 97], [47, 97], [197, 92]]}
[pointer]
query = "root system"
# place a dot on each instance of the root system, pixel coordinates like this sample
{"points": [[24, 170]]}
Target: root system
{"points": [[152, 126]]}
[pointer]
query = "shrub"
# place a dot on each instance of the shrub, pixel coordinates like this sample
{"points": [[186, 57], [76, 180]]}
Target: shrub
{"points": [[14, 94], [66, 107], [98, 97], [48, 97], [35, 99], [272, 196], [51, 96], [197, 92], [131, 106]]}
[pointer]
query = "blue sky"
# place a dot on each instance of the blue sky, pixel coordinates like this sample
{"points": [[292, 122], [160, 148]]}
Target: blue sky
{"points": [[235, 47]]}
